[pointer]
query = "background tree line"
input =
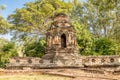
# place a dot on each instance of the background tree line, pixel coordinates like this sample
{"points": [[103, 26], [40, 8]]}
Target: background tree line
{"points": [[97, 23]]}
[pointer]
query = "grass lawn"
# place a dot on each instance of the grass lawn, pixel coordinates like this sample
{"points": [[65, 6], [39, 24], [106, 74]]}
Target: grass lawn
{"points": [[32, 77]]}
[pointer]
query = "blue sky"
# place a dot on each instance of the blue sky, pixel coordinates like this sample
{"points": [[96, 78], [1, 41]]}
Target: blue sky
{"points": [[11, 5]]}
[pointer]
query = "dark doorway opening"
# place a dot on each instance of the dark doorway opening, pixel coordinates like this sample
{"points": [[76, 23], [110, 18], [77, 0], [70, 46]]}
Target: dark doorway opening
{"points": [[63, 41]]}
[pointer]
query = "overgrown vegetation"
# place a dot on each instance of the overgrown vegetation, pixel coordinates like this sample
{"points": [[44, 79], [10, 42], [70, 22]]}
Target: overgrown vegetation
{"points": [[7, 50], [35, 48]]}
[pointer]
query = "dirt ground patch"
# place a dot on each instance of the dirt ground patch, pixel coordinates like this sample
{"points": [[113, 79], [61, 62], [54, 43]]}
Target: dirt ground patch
{"points": [[32, 77], [55, 74]]}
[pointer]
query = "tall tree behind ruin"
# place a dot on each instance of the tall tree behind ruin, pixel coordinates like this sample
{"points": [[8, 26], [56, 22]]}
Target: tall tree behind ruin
{"points": [[101, 17]]}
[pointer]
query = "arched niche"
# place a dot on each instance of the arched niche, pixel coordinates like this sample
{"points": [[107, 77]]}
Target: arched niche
{"points": [[63, 41]]}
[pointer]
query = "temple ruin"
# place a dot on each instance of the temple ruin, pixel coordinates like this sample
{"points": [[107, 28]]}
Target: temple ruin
{"points": [[62, 51]]}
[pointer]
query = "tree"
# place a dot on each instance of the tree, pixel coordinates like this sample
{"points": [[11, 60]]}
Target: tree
{"points": [[35, 17], [7, 50], [84, 39], [35, 48], [101, 17], [4, 25], [105, 46]]}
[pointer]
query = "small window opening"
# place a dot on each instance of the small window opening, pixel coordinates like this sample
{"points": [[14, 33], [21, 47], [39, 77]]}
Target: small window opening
{"points": [[63, 41]]}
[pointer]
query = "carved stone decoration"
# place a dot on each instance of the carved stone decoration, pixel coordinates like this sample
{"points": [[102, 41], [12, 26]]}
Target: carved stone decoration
{"points": [[62, 48]]}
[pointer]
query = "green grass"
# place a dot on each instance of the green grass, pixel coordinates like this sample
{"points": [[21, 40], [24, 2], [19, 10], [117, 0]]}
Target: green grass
{"points": [[32, 77]]}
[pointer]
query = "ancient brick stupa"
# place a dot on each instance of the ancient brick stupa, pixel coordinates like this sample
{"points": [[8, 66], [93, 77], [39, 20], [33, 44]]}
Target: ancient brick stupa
{"points": [[61, 47]]}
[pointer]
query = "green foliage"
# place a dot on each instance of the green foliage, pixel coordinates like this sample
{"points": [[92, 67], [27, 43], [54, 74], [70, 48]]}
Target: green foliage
{"points": [[7, 50], [105, 46], [35, 17], [84, 39], [4, 25], [10, 48], [94, 46], [35, 48], [100, 17], [102, 20]]}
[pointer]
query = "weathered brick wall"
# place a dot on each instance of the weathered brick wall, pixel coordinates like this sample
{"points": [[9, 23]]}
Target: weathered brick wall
{"points": [[23, 62], [94, 61], [100, 60]]}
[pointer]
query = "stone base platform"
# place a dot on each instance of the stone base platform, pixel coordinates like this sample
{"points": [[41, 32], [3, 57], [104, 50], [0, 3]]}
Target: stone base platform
{"points": [[70, 61]]}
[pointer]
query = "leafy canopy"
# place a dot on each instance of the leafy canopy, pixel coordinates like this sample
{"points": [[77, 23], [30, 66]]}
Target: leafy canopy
{"points": [[35, 48], [84, 39], [35, 17], [4, 25], [105, 46]]}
